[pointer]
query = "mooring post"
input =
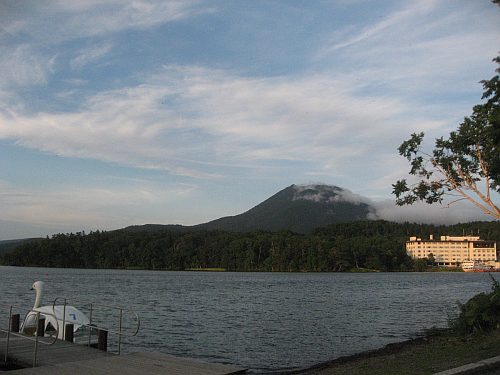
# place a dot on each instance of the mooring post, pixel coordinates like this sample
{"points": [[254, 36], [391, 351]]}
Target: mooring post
{"points": [[68, 332], [40, 331], [8, 337], [64, 320], [90, 323], [102, 340], [37, 334], [14, 323]]}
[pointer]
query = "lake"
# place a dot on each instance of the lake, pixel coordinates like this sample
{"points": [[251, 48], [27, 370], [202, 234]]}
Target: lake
{"points": [[262, 321]]}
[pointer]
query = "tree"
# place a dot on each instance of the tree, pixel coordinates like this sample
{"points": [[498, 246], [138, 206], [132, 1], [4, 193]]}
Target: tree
{"points": [[480, 313], [431, 259], [465, 166]]}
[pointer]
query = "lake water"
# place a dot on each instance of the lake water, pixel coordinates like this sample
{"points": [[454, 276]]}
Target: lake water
{"points": [[261, 321]]}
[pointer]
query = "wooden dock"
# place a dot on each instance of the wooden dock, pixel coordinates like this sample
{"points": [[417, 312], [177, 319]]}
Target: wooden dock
{"points": [[65, 358]]}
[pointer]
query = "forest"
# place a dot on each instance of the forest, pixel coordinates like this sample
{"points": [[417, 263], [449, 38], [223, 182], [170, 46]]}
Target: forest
{"points": [[346, 247]]}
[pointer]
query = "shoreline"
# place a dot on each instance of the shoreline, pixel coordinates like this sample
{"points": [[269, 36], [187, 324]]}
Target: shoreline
{"points": [[437, 350], [223, 270], [389, 349]]}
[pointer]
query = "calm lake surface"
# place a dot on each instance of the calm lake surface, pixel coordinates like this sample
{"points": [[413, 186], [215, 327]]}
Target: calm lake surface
{"points": [[262, 321]]}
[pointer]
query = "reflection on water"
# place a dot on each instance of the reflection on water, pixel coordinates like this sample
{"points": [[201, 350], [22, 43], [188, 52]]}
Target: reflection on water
{"points": [[260, 321]]}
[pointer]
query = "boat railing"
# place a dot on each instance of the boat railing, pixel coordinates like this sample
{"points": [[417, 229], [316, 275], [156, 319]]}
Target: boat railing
{"points": [[94, 307], [37, 338]]}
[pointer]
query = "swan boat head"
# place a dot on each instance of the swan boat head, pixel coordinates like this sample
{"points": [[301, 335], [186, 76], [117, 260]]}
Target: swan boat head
{"points": [[55, 315], [38, 288]]}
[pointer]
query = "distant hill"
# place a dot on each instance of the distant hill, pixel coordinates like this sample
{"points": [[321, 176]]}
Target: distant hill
{"points": [[155, 228], [297, 208], [9, 245]]}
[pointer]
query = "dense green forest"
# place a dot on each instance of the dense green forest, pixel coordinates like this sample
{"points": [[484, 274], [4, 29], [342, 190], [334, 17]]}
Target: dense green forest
{"points": [[375, 245]]}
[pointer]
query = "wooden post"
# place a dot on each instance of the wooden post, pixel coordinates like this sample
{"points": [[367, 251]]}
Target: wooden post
{"points": [[41, 327], [69, 332], [102, 340], [14, 323]]}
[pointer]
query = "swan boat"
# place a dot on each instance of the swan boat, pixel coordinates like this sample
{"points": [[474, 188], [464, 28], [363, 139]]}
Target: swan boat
{"points": [[55, 315]]}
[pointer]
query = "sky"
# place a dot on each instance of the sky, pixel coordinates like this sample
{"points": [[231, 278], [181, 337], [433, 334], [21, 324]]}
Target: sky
{"points": [[121, 112]]}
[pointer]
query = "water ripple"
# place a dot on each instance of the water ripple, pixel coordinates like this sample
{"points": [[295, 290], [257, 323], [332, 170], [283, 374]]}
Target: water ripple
{"points": [[261, 321]]}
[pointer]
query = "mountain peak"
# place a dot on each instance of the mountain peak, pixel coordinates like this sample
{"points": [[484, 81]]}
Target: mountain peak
{"points": [[316, 193], [298, 208], [327, 194]]}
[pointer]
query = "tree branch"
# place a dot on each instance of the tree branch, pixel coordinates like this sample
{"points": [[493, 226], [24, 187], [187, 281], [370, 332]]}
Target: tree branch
{"points": [[489, 208]]}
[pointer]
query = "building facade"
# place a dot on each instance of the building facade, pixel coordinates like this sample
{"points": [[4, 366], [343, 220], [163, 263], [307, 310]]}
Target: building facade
{"points": [[451, 251]]}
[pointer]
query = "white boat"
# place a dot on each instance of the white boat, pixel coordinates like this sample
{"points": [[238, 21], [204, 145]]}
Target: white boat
{"points": [[476, 266], [55, 316]]}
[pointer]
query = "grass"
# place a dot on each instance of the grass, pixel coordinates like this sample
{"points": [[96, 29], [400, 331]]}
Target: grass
{"points": [[436, 352]]}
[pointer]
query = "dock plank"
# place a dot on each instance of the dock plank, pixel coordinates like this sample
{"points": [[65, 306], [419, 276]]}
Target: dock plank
{"points": [[65, 358], [134, 364], [21, 352]]}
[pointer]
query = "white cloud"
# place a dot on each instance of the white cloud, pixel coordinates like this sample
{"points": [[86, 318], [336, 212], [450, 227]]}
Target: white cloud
{"points": [[404, 16], [386, 209], [90, 55], [197, 122], [420, 49], [348, 196], [423, 213], [75, 19], [21, 66], [328, 194], [93, 18]]}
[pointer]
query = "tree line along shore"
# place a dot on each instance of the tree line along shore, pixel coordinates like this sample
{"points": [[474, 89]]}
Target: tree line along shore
{"points": [[347, 247]]}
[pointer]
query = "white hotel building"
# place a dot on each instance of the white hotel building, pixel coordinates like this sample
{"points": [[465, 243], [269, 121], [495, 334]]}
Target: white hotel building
{"points": [[451, 251]]}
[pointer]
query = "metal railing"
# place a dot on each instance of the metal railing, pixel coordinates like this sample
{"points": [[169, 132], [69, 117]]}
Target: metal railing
{"points": [[37, 339], [92, 307]]}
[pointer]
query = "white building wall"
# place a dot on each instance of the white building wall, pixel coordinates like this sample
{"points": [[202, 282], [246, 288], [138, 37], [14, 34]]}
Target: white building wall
{"points": [[453, 250]]}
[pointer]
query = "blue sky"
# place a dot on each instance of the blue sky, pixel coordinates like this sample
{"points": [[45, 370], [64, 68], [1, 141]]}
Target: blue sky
{"points": [[130, 112]]}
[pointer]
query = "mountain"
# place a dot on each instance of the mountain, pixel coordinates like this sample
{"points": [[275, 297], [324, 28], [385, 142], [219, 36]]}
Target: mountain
{"points": [[155, 228], [298, 208], [7, 246]]}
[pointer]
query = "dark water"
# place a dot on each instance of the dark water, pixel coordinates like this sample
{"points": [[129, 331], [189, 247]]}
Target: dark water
{"points": [[262, 321]]}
